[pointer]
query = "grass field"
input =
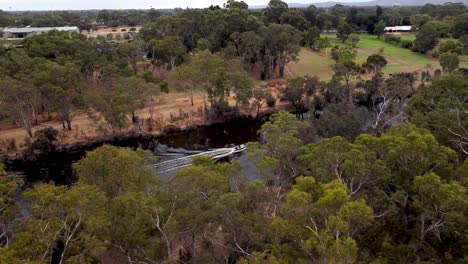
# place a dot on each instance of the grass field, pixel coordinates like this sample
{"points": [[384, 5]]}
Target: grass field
{"points": [[399, 59]]}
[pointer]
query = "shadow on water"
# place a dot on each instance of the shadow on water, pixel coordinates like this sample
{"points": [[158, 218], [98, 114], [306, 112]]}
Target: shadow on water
{"points": [[57, 167]]}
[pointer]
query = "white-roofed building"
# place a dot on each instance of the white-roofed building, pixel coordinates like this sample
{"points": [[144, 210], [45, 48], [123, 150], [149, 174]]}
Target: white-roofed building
{"points": [[24, 32], [398, 29]]}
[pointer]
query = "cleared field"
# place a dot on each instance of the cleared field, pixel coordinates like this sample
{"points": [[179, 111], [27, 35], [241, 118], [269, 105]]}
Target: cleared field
{"points": [[312, 63], [399, 59]]}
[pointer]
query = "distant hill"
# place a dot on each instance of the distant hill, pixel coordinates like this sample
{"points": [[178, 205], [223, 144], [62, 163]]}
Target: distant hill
{"points": [[371, 3]]}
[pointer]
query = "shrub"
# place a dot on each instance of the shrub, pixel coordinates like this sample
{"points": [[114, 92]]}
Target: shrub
{"points": [[406, 44], [123, 29], [392, 39], [132, 29]]}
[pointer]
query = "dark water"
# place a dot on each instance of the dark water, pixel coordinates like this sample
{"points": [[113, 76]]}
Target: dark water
{"points": [[57, 167]]}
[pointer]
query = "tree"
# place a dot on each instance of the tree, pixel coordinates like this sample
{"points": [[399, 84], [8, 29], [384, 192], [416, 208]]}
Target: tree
{"points": [[215, 77], [398, 148], [451, 45], [132, 52], [346, 69], [300, 91], [353, 39], [196, 73], [65, 225], [441, 107], [426, 38], [8, 208], [232, 4], [169, 51], [116, 171], [63, 86], [343, 119], [140, 213], [118, 99], [337, 159], [375, 63], [344, 30], [197, 191], [274, 11], [379, 29], [438, 203], [281, 47], [418, 20], [312, 36], [379, 12], [248, 46], [389, 100], [322, 44], [276, 157], [459, 26], [449, 61], [185, 74], [295, 18], [21, 101], [258, 100], [322, 220]]}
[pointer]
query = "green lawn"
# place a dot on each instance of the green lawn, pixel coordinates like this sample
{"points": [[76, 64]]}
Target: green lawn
{"points": [[399, 59], [408, 37]]}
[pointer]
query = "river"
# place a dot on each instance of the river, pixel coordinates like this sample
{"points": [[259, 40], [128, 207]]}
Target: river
{"points": [[57, 167]]}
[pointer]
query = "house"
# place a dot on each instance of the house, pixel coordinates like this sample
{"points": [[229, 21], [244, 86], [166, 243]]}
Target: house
{"points": [[398, 29], [20, 33]]}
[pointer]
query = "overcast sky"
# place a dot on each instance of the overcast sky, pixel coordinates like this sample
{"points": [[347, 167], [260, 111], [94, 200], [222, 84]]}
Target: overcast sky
{"points": [[16, 5]]}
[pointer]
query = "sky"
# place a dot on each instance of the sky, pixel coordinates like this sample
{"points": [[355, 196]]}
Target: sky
{"points": [[16, 5]]}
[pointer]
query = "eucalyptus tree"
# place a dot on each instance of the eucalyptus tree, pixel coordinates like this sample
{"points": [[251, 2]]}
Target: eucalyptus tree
{"points": [[63, 86], [441, 107]]}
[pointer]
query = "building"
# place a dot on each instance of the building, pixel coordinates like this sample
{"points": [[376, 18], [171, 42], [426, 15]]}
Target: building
{"points": [[20, 33], [398, 29]]}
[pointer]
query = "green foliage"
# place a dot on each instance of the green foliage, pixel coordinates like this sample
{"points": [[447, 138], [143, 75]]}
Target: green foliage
{"points": [[116, 170], [336, 158], [440, 109], [379, 28], [449, 61], [312, 36], [459, 26], [274, 11], [320, 233], [120, 98], [169, 51], [300, 92], [426, 38], [353, 39], [216, 78], [451, 45], [276, 157], [344, 30], [74, 217], [375, 63], [295, 18]]}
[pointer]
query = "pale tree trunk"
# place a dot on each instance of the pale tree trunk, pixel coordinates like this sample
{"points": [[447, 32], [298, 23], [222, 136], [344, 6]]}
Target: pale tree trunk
{"points": [[69, 235]]}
